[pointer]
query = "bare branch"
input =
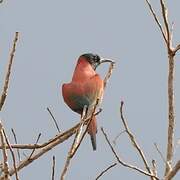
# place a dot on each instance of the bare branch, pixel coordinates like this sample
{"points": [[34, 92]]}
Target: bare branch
{"points": [[133, 140], [4, 154], [171, 54], [156, 20], [55, 122], [104, 171], [12, 153], [173, 172], [45, 147], [6, 82], [63, 136], [124, 163], [108, 75]]}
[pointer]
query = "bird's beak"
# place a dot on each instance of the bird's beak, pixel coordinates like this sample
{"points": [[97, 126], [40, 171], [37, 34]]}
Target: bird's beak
{"points": [[105, 60]]}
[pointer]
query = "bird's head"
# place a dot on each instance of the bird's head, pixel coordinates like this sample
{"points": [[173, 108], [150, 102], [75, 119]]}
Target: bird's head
{"points": [[93, 59]]}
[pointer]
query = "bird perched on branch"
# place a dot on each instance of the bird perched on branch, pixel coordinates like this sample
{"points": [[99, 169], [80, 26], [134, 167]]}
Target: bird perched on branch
{"points": [[84, 89]]}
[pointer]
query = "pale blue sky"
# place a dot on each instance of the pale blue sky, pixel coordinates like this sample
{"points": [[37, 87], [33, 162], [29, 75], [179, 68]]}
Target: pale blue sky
{"points": [[52, 36]]}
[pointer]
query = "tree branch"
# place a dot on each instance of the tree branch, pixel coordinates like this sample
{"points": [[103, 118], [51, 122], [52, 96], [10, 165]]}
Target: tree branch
{"points": [[173, 172], [171, 115], [45, 147], [6, 82], [4, 154], [171, 53], [133, 140]]}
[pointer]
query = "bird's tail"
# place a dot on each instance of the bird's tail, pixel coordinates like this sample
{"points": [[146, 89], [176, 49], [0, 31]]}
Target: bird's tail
{"points": [[92, 130]]}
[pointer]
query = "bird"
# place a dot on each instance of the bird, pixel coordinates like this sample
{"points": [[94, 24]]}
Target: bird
{"points": [[84, 89]]}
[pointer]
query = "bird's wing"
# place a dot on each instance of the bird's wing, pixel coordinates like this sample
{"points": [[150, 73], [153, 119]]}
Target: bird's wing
{"points": [[78, 94]]}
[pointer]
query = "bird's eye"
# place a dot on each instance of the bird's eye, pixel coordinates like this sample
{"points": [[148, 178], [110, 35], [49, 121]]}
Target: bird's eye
{"points": [[96, 58]]}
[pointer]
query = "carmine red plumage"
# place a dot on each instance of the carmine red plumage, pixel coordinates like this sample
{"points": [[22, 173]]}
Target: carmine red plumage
{"points": [[84, 89]]}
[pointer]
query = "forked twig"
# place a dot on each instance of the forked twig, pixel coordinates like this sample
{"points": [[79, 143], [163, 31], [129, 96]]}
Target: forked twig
{"points": [[156, 20], [173, 172], [133, 140], [124, 163]]}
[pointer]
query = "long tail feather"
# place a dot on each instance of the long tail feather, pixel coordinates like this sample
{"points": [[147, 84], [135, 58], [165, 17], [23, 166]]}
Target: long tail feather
{"points": [[93, 141], [92, 130]]}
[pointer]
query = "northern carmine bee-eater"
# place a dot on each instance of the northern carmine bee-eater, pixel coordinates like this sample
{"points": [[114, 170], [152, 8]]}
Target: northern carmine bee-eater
{"points": [[84, 89]]}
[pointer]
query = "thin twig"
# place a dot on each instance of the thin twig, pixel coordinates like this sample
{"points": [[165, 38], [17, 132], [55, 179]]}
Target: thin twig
{"points": [[105, 170], [124, 163], [160, 153], [12, 154], [15, 138], [177, 48], [55, 122], [133, 140], [156, 20], [117, 137], [39, 135], [53, 168], [6, 82]]}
